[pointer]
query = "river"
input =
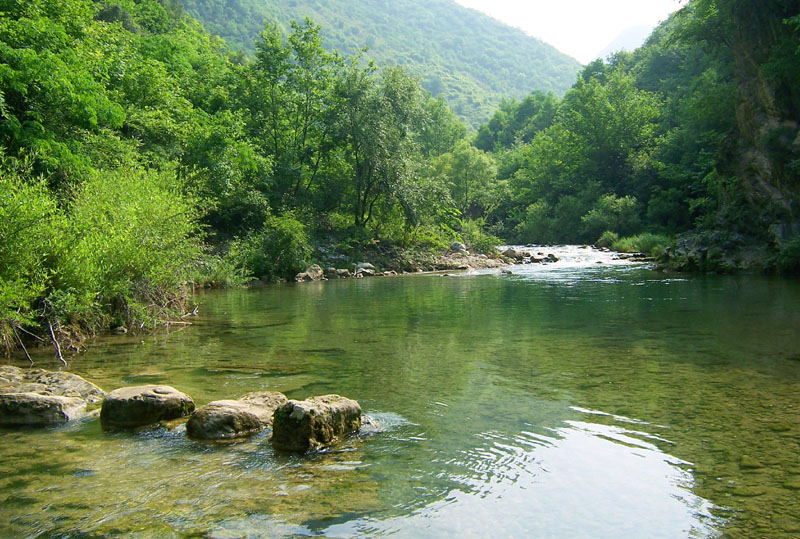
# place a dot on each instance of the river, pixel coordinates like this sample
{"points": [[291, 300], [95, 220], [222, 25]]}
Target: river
{"points": [[587, 398]]}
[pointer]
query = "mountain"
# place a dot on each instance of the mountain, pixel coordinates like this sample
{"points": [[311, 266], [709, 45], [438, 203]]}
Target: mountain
{"points": [[469, 58], [628, 40]]}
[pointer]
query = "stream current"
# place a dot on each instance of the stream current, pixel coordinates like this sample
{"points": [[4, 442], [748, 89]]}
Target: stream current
{"points": [[591, 397]]}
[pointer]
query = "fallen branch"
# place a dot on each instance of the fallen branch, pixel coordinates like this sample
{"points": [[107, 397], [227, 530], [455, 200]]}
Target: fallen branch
{"points": [[193, 313], [55, 342], [29, 333], [14, 329]]}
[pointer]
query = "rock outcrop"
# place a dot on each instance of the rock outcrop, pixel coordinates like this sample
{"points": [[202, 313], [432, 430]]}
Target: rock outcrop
{"points": [[38, 397], [314, 423], [227, 419], [142, 405]]}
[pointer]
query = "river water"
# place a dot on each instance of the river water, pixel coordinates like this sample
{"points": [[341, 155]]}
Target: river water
{"points": [[586, 398]]}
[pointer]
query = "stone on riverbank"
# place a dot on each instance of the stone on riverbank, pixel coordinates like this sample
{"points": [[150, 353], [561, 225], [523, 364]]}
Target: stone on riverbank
{"points": [[142, 405], [315, 423], [312, 273], [40, 397], [226, 419]]}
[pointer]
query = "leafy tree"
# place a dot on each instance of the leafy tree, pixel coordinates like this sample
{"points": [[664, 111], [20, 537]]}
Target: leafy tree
{"points": [[470, 174]]}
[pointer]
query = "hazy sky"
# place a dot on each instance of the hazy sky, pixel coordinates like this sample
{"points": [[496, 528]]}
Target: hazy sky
{"points": [[580, 28]]}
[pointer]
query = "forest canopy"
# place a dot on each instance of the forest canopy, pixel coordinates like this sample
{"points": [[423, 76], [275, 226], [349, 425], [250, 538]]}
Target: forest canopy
{"points": [[141, 155]]}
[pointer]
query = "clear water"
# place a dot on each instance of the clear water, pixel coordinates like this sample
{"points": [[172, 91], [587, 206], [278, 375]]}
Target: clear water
{"points": [[570, 400]]}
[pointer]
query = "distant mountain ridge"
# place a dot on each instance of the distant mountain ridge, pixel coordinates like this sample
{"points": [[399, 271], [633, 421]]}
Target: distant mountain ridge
{"points": [[469, 58], [629, 39]]}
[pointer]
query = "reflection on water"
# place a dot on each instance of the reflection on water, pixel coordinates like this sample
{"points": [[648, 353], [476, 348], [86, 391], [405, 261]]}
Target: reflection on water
{"points": [[572, 399]]}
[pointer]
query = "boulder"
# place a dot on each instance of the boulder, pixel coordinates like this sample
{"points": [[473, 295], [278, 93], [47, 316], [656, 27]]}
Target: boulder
{"points": [[65, 384], [312, 273], [36, 409], [343, 273], [365, 266], [40, 397], [226, 419], [364, 272], [143, 405], [514, 254], [314, 423], [457, 246]]}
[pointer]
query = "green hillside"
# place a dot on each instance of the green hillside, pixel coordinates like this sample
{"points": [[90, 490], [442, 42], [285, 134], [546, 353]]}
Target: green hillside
{"points": [[468, 58]]}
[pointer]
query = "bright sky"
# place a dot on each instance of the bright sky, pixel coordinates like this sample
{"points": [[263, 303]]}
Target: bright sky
{"points": [[580, 28]]}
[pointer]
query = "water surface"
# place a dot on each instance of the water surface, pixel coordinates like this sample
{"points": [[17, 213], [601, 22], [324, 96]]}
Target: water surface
{"points": [[568, 400]]}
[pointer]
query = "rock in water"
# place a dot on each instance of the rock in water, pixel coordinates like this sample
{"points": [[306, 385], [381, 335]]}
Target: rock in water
{"points": [[226, 419], [39, 397], [314, 423], [143, 405], [36, 409]]}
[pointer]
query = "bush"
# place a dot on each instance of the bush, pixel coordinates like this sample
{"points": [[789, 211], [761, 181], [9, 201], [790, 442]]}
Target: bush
{"points": [[31, 231], [473, 235], [118, 254], [620, 215], [607, 239], [133, 236], [652, 244], [280, 249], [213, 271], [788, 258]]}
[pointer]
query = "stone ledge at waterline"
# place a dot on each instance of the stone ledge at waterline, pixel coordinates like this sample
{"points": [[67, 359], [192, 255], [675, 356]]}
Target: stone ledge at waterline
{"points": [[143, 405], [314, 423], [37, 397], [228, 419]]}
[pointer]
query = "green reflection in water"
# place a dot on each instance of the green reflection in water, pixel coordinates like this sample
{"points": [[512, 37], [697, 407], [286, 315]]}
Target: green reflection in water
{"points": [[569, 402]]}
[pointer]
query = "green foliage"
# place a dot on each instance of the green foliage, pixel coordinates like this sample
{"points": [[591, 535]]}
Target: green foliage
{"points": [[468, 58], [617, 214], [652, 244], [607, 239], [280, 249], [476, 239], [31, 230], [214, 271], [787, 260], [517, 122], [470, 175], [132, 237]]}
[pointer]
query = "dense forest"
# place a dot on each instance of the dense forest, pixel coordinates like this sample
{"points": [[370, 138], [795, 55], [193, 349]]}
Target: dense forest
{"points": [[140, 154], [462, 55]]}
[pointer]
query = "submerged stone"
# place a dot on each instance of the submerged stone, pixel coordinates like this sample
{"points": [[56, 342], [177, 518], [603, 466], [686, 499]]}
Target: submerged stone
{"points": [[315, 423], [142, 405], [226, 419]]}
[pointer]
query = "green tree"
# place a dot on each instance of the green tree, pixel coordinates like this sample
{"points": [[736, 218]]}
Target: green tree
{"points": [[470, 174]]}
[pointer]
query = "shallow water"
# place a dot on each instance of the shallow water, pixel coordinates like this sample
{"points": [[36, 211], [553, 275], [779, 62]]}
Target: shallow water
{"points": [[574, 399]]}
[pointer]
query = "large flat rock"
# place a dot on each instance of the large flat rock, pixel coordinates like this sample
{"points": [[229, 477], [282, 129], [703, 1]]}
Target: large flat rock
{"points": [[37, 410], [143, 405], [38, 397], [315, 423], [227, 419]]}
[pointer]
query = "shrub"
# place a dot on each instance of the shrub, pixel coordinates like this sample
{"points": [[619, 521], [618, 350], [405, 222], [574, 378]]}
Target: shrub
{"points": [[652, 244], [620, 215], [788, 258], [473, 235], [280, 249], [218, 272], [607, 239], [132, 238], [31, 231]]}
